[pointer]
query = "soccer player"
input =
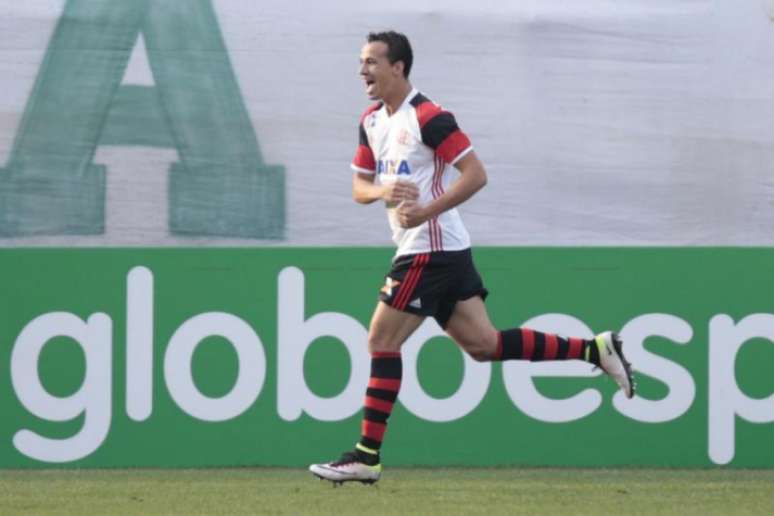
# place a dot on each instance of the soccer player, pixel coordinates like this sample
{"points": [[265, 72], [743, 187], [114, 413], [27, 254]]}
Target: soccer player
{"points": [[408, 146]]}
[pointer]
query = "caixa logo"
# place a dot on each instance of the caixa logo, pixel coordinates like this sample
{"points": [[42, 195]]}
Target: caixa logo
{"points": [[295, 333], [393, 167]]}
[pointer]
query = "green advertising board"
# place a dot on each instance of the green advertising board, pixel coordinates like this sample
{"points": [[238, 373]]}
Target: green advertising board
{"points": [[215, 357]]}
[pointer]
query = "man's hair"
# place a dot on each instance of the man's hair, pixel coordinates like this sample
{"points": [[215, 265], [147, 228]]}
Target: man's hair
{"points": [[398, 48]]}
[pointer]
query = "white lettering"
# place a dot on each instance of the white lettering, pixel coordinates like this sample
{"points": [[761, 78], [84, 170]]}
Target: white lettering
{"points": [[250, 356], [682, 389], [726, 399], [294, 336], [139, 343], [92, 399], [296, 333]]}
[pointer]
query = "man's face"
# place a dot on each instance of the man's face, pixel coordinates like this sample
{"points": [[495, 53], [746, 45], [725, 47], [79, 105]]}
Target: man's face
{"points": [[379, 76]]}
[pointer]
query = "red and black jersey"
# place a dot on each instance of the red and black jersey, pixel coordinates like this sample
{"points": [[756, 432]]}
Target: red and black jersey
{"points": [[419, 142]]}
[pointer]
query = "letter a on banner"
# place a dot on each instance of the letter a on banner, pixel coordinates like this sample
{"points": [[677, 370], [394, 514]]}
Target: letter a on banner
{"points": [[220, 187]]}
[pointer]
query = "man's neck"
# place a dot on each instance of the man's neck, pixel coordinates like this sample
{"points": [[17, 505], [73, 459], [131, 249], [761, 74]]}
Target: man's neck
{"points": [[396, 101]]}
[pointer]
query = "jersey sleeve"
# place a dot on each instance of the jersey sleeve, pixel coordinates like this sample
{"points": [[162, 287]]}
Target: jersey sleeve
{"points": [[441, 133], [364, 157]]}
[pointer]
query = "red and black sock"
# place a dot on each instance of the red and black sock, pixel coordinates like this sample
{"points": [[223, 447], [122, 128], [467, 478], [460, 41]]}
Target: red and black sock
{"points": [[526, 344], [383, 387]]}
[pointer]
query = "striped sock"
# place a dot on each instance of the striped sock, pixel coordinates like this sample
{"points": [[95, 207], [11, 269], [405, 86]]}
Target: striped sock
{"points": [[383, 387], [526, 344]]}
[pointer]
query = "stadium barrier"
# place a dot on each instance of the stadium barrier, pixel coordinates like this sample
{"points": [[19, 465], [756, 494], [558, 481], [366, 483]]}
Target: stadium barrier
{"points": [[215, 357]]}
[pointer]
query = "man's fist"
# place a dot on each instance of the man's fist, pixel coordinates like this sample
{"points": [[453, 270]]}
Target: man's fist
{"points": [[400, 191], [411, 214]]}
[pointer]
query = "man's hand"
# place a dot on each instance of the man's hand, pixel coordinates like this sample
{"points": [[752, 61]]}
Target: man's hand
{"points": [[400, 191], [411, 214]]}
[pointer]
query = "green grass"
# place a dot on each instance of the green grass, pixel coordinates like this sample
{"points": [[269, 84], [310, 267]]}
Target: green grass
{"points": [[401, 491]]}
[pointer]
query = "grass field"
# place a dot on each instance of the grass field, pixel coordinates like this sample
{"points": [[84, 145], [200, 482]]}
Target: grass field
{"points": [[401, 491]]}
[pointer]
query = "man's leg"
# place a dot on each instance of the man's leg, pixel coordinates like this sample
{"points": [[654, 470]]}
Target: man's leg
{"points": [[471, 328], [388, 330]]}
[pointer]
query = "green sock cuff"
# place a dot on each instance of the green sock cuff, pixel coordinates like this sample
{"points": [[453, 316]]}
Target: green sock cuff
{"points": [[593, 350], [366, 449]]}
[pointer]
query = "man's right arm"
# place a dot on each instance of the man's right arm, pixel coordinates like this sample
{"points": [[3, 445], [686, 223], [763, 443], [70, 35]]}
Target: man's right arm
{"points": [[365, 190]]}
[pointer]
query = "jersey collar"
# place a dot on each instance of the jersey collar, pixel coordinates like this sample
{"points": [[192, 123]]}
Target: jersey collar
{"points": [[413, 93]]}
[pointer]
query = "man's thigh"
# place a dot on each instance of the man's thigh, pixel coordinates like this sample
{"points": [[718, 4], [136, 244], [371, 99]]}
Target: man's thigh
{"points": [[470, 327], [390, 328]]}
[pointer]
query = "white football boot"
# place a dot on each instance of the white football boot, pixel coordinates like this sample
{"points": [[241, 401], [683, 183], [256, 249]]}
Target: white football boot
{"points": [[349, 468], [613, 362]]}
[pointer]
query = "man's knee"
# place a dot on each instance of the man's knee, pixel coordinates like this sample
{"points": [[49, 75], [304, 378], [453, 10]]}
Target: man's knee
{"points": [[480, 354], [483, 348], [381, 343]]}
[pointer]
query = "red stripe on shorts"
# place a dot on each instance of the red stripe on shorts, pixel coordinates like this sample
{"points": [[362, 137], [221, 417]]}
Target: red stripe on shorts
{"points": [[406, 289]]}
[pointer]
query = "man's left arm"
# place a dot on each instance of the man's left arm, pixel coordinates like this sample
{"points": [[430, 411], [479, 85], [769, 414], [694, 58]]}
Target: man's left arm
{"points": [[472, 178]]}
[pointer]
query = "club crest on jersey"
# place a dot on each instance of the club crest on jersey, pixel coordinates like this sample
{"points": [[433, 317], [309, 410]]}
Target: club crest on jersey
{"points": [[404, 137], [393, 167]]}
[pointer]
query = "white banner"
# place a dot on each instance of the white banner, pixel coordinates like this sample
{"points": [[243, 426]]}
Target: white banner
{"points": [[601, 122]]}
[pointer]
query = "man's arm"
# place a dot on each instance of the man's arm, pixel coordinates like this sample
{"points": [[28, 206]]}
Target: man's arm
{"points": [[365, 190], [472, 179]]}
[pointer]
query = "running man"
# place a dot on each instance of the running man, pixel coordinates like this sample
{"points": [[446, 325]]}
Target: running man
{"points": [[411, 144]]}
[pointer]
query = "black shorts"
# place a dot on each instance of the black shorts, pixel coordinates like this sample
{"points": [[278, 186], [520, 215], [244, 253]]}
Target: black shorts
{"points": [[430, 284]]}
